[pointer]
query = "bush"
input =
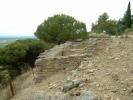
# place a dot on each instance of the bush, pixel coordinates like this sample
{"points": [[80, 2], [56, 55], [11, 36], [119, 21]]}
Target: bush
{"points": [[22, 52], [60, 28], [105, 25]]}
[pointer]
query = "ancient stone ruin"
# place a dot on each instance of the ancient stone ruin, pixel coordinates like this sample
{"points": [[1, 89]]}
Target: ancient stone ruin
{"points": [[66, 56]]}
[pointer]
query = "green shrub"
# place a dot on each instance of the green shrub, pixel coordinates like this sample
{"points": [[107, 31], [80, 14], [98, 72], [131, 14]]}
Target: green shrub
{"points": [[61, 28], [15, 56]]}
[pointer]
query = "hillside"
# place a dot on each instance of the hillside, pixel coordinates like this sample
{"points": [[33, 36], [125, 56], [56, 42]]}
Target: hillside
{"points": [[103, 72]]}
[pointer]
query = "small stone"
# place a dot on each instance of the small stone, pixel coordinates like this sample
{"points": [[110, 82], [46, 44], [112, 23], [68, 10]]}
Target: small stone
{"points": [[73, 84], [81, 85], [122, 82], [114, 91], [90, 71], [115, 77], [107, 97], [97, 85], [131, 86], [124, 89], [53, 85]]}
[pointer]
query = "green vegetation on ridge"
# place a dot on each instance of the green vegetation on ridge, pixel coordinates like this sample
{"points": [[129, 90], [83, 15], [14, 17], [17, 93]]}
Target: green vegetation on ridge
{"points": [[19, 55], [113, 27], [61, 28]]}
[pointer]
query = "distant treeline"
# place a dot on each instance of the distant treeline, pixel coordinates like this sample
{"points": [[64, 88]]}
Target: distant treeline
{"points": [[113, 27]]}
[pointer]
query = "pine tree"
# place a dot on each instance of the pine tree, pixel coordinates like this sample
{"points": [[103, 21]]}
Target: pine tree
{"points": [[127, 17]]}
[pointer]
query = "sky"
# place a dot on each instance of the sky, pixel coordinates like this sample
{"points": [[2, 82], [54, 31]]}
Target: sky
{"points": [[21, 17]]}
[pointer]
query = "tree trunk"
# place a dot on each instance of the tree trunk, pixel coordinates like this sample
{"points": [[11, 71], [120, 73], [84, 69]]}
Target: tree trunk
{"points": [[11, 88]]}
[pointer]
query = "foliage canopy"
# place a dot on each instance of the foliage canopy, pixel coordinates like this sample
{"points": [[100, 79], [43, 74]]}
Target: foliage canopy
{"points": [[15, 56], [127, 17], [60, 28], [104, 24]]}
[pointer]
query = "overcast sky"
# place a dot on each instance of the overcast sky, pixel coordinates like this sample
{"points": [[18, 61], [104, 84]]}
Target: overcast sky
{"points": [[21, 17]]}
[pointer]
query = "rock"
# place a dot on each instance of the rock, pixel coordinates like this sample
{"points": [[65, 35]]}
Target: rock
{"points": [[68, 86], [97, 85], [90, 71], [43, 95], [122, 82], [107, 97], [86, 95], [80, 95], [131, 86], [81, 85], [72, 84], [52, 86], [115, 77], [75, 73], [90, 64], [124, 89], [75, 93], [114, 91]]}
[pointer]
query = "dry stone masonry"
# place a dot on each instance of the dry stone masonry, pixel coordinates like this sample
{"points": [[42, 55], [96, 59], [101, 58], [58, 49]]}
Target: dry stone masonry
{"points": [[84, 95], [66, 56]]}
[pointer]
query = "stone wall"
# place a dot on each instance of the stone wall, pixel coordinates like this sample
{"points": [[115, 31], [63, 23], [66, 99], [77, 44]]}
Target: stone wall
{"points": [[66, 56]]}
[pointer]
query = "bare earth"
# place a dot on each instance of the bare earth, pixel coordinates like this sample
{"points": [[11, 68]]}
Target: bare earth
{"points": [[109, 73], [112, 65]]}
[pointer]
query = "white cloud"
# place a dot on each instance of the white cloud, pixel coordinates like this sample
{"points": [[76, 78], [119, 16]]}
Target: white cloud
{"points": [[21, 17]]}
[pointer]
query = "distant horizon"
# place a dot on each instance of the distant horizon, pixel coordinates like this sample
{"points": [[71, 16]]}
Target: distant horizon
{"points": [[1, 37], [16, 35]]}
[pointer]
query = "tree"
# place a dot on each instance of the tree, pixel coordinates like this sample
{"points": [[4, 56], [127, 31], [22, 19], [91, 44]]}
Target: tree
{"points": [[127, 17], [132, 18], [14, 56], [99, 26], [120, 27], [103, 18], [104, 24], [111, 27], [60, 28]]}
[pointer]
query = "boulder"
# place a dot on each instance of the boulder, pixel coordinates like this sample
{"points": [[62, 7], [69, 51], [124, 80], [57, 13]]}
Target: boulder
{"points": [[72, 84]]}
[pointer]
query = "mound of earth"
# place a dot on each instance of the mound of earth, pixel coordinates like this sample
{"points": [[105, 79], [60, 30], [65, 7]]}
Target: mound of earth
{"points": [[105, 75]]}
